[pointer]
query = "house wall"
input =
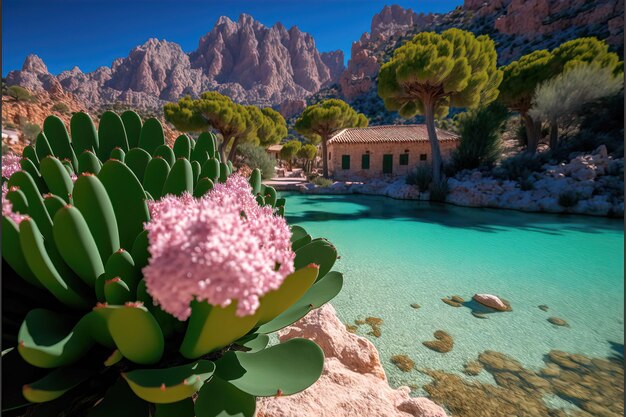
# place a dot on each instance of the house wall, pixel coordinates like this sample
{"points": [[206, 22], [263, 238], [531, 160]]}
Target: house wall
{"points": [[376, 152]]}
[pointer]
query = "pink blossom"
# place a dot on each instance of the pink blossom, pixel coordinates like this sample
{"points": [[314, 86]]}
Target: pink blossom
{"points": [[10, 164], [220, 248], [7, 207]]}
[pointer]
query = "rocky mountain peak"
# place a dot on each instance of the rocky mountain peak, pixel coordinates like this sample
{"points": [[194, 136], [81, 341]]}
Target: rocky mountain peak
{"points": [[34, 64]]}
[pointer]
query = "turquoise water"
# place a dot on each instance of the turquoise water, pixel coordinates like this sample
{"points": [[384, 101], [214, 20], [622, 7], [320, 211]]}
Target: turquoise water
{"points": [[394, 253]]}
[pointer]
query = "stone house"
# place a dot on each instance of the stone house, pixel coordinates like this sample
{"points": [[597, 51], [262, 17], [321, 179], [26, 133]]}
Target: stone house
{"points": [[380, 151]]}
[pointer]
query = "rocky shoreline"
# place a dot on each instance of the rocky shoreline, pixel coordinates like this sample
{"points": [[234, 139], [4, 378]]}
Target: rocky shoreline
{"points": [[590, 182]]}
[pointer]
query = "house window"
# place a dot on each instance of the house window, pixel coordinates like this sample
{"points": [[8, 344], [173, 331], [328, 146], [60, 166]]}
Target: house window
{"points": [[387, 163], [423, 157], [345, 161], [329, 156], [365, 161], [404, 159]]}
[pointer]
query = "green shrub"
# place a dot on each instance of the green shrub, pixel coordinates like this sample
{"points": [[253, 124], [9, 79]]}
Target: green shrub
{"points": [[439, 191], [521, 165], [61, 108], [30, 131], [568, 198], [19, 93], [322, 182], [289, 151], [421, 175], [480, 131], [526, 184], [256, 157]]}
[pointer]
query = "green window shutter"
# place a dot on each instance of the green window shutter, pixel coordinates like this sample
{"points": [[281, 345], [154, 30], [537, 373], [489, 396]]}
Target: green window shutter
{"points": [[365, 161], [404, 159], [387, 164], [345, 161]]}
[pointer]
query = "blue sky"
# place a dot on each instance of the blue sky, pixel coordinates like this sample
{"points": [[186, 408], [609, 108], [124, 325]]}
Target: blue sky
{"points": [[92, 33]]}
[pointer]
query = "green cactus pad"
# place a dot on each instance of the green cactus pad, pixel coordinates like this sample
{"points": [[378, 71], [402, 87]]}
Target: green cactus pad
{"points": [[293, 287], [30, 153], [151, 136], [13, 254], [53, 203], [297, 233], [135, 332], [66, 288], [48, 339], [182, 147], [128, 199], [204, 186], [169, 385], [301, 242], [270, 196], [195, 169], [282, 369], [42, 146], [253, 342], [29, 166], [113, 358], [111, 134], [182, 408], [218, 398], [18, 201], [213, 327], [260, 200], [59, 139], [118, 154], [132, 126], [89, 162], [180, 178], [137, 160], [122, 265], [56, 177], [116, 291], [211, 169], [36, 208], [319, 294], [202, 148], [20, 373], [91, 198], [224, 172], [167, 322], [155, 176], [255, 181], [76, 244], [139, 252], [166, 153], [55, 384], [84, 135], [120, 401], [320, 252]]}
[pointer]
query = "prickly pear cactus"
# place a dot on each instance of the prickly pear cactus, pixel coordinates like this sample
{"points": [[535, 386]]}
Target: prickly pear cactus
{"points": [[116, 303]]}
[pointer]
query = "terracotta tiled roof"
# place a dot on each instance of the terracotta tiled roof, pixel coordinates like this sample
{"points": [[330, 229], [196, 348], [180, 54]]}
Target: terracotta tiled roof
{"points": [[388, 133]]}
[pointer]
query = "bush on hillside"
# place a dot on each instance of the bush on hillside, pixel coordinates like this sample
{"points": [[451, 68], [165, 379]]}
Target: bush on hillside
{"points": [[520, 166], [421, 175], [61, 108], [322, 182], [256, 157], [568, 198], [19, 93], [30, 131], [439, 191], [480, 131]]}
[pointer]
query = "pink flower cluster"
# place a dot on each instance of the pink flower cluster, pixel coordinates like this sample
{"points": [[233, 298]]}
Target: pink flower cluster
{"points": [[220, 248], [10, 164]]}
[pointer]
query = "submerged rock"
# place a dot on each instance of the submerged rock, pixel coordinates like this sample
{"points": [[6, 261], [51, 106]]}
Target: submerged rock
{"points": [[479, 315], [353, 382], [543, 307], [558, 322], [415, 306], [492, 301], [450, 302], [443, 343], [473, 368], [457, 299], [403, 362]]}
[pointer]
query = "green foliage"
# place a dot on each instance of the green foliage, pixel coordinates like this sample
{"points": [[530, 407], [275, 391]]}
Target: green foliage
{"points": [[421, 175], [61, 108], [30, 130], [438, 191], [322, 182], [19, 93], [320, 121], [432, 72], [256, 157], [520, 166], [307, 152], [568, 198], [85, 336], [289, 151], [235, 122], [480, 131], [521, 77]]}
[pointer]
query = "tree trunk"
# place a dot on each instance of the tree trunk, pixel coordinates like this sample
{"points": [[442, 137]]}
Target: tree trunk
{"points": [[532, 134], [324, 157], [554, 134], [222, 149], [233, 150], [429, 115]]}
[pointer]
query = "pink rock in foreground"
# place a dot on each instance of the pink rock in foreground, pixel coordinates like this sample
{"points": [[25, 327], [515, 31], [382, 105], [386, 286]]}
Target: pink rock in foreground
{"points": [[353, 383], [490, 301]]}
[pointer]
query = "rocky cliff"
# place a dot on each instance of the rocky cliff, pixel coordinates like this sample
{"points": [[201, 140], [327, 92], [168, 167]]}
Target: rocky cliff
{"points": [[246, 60]]}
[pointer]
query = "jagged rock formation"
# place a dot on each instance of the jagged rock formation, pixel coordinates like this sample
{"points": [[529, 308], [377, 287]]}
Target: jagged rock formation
{"points": [[246, 60]]}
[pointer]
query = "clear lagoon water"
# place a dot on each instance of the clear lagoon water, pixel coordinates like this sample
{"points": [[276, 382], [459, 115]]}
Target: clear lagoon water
{"points": [[395, 253]]}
